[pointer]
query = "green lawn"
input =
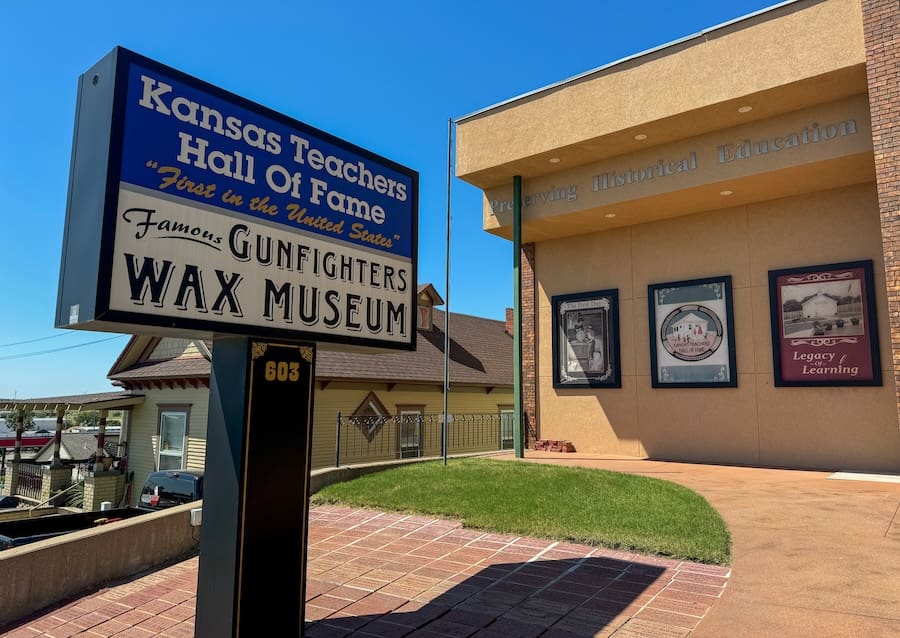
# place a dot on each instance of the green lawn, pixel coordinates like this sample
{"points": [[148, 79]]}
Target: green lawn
{"points": [[595, 507]]}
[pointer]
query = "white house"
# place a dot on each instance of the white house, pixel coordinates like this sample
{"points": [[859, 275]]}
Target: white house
{"points": [[819, 305], [690, 328]]}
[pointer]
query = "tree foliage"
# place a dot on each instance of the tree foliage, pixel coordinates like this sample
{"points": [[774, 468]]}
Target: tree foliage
{"points": [[88, 419]]}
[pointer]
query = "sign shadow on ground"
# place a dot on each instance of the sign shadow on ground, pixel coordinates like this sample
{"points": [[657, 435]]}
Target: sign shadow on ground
{"points": [[573, 597]]}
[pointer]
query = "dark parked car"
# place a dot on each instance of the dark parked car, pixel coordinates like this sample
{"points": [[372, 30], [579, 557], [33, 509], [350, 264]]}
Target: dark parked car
{"points": [[168, 488]]}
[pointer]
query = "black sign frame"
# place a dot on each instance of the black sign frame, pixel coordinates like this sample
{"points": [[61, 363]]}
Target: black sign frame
{"points": [[87, 258]]}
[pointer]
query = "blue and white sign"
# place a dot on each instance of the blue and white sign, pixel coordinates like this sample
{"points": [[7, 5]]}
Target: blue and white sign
{"points": [[189, 143], [223, 216]]}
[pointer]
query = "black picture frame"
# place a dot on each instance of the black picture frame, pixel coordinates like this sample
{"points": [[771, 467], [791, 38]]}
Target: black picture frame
{"points": [[824, 325], [692, 333], [586, 340]]}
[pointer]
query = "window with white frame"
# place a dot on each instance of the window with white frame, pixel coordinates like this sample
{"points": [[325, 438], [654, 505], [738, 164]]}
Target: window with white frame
{"points": [[173, 429], [410, 431], [507, 437]]}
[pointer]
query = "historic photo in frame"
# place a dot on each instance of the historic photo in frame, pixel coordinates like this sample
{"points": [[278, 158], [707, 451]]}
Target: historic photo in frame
{"points": [[586, 340], [692, 334], [824, 329]]}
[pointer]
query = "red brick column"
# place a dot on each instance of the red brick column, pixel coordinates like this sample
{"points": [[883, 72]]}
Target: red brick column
{"points": [[881, 26], [529, 329], [57, 438]]}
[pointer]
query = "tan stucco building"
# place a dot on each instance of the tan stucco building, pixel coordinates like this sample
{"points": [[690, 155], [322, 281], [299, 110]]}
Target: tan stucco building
{"points": [[764, 144]]}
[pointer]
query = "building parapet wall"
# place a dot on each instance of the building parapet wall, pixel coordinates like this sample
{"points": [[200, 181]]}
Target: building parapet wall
{"points": [[774, 54]]}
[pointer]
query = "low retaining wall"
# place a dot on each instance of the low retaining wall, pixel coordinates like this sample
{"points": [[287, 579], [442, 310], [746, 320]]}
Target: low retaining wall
{"points": [[327, 475], [20, 513], [40, 574]]}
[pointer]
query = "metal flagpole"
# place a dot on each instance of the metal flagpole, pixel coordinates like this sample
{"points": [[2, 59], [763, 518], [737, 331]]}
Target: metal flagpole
{"points": [[444, 425]]}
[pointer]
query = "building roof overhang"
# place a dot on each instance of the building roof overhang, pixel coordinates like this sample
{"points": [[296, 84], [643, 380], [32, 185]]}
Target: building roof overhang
{"points": [[97, 401], [794, 56], [429, 291]]}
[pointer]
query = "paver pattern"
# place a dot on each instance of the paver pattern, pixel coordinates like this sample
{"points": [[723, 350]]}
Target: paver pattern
{"points": [[376, 574], [813, 557]]}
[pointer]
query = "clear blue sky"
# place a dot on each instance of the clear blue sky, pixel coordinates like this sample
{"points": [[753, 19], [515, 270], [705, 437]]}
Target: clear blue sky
{"points": [[383, 75]]}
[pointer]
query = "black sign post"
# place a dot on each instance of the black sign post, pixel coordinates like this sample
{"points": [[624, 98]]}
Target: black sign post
{"points": [[256, 498]]}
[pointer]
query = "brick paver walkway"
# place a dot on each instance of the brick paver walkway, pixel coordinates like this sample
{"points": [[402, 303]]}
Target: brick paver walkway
{"points": [[374, 574]]}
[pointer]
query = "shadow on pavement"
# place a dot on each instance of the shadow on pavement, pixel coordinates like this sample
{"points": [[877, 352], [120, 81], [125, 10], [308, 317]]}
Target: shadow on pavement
{"points": [[550, 598]]}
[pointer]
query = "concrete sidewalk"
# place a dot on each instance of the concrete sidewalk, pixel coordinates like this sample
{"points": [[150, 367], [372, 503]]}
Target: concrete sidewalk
{"points": [[813, 557]]}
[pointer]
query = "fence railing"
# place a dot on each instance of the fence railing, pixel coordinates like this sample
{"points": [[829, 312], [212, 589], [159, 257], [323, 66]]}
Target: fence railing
{"points": [[29, 478], [362, 439]]}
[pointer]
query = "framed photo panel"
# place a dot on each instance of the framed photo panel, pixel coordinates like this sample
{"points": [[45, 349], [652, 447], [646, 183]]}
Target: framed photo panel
{"points": [[824, 329], [692, 334], [586, 340]]}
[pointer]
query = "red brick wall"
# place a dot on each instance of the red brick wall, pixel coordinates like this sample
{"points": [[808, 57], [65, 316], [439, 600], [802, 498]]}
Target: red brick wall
{"points": [[881, 26], [529, 329]]}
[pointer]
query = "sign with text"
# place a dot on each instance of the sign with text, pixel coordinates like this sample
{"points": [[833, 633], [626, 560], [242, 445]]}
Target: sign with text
{"points": [[692, 334], [789, 141], [256, 495], [280, 374], [221, 216], [586, 340], [824, 330]]}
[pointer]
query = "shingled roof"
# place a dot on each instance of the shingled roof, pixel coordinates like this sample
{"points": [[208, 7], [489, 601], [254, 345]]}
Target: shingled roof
{"points": [[480, 354], [76, 446], [181, 368]]}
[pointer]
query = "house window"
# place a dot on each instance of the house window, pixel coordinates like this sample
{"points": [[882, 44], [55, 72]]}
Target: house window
{"points": [[507, 428], [410, 431], [173, 428]]}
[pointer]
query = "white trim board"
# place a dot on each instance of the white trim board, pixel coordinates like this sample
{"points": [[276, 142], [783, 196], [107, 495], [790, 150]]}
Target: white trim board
{"points": [[861, 476]]}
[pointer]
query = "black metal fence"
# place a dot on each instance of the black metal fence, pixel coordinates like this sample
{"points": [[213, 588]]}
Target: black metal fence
{"points": [[363, 439]]}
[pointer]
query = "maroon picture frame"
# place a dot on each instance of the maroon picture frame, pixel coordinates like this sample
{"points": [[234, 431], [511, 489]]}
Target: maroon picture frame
{"points": [[824, 326]]}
